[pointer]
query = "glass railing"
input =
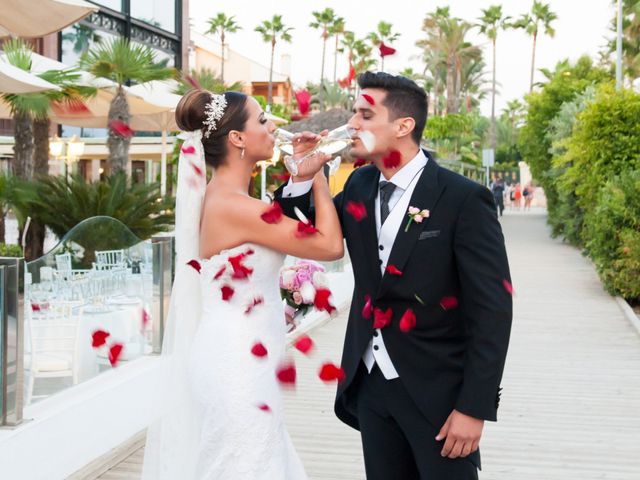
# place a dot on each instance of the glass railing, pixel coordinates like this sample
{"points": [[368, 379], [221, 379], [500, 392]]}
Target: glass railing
{"points": [[96, 301]]}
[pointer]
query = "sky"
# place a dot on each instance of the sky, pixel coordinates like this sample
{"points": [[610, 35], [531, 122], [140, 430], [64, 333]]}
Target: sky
{"points": [[581, 28]]}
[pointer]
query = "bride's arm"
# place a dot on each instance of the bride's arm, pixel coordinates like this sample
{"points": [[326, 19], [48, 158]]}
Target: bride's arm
{"points": [[243, 223]]}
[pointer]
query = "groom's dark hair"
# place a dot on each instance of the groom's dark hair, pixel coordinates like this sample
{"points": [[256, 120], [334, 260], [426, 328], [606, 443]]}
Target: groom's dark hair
{"points": [[404, 98]]}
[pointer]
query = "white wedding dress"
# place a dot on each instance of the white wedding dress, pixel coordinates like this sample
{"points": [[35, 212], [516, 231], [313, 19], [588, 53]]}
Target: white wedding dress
{"points": [[218, 407], [238, 439]]}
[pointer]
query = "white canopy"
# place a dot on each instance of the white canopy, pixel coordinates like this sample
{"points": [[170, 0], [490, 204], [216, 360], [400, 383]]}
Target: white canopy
{"points": [[16, 80], [37, 18]]}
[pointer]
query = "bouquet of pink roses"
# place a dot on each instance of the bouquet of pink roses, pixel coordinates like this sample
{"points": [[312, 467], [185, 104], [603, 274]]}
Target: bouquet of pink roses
{"points": [[299, 284]]}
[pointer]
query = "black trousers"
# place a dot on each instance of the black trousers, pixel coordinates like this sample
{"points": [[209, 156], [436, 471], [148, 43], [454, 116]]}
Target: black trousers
{"points": [[397, 440]]}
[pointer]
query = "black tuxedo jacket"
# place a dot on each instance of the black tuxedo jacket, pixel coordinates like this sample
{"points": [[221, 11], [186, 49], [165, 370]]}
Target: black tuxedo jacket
{"points": [[453, 358]]}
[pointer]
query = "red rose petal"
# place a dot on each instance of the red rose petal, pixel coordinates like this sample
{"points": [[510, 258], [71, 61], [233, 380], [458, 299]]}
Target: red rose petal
{"points": [[368, 98], [386, 50], [305, 229], [114, 353], [220, 272], [190, 150], [408, 321], [256, 301], [99, 338], [449, 303], [392, 160], [392, 270], [195, 265], [120, 128], [329, 372], [283, 177], [193, 82], [507, 286], [381, 318], [360, 162], [357, 210], [259, 350], [197, 169], [145, 318], [273, 214], [264, 407], [287, 374], [227, 292], [35, 307], [240, 271], [321, 300], [304, 344], [368, 309]]}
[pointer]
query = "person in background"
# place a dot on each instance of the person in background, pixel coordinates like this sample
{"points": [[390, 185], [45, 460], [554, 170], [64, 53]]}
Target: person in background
{"points": [[498, 194]]}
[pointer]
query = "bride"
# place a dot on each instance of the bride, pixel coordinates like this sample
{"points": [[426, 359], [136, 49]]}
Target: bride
{"points": [[219, 398]]}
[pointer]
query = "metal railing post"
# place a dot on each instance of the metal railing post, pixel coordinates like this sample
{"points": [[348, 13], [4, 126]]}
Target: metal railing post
{"points": [[163, 270], [12, 341]]}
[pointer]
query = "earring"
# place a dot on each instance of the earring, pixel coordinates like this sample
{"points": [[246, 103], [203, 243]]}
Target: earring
{"points": [[242, 153]]}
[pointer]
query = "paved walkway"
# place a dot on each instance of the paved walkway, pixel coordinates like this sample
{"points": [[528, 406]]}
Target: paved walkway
{"points": [[571, 399]]}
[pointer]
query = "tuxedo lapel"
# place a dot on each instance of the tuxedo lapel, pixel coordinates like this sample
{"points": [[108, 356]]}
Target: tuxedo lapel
{"points": [[425, 196]]}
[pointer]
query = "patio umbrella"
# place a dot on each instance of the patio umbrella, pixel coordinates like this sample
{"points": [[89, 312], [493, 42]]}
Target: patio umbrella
{"points": [[16, 80], [37, 18]]}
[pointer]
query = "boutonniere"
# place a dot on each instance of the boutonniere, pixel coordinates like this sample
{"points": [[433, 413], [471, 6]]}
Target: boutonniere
{"points": [[416, 215]]}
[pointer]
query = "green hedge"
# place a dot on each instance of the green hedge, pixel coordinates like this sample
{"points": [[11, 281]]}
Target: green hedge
{"points": [[10, 250], [595, 174], [612, 233]]}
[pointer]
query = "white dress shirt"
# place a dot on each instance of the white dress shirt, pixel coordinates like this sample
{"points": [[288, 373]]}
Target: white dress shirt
{"points": [[405, 181]]}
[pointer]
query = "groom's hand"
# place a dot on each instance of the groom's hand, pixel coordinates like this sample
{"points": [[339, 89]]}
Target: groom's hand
{"points": [[462, 433]]}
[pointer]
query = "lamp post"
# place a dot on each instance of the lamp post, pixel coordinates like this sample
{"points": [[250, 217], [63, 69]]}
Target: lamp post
{"points": [[619, 48], [263, 172], [74, 150]]}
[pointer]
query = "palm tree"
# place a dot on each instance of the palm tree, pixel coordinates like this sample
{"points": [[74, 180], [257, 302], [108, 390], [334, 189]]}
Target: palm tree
{"points": [[491, 21], [382, 35], [121, 61], [33, 126], [435, 62], [540, 16], [272, 31], [207, 80], [221, 25], [82, 37], [324, 21], [337, 29]]}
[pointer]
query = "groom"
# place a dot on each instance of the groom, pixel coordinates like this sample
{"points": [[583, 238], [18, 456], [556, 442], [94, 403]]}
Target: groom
{"points": [[430, 317]]}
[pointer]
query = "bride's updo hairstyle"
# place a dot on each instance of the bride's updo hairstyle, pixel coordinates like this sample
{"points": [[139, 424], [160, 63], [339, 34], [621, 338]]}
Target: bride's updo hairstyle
{"points": [[190, 116]]}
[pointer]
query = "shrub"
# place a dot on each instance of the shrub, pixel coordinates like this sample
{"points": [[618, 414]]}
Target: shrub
{"points": [[612, 232], [10, 250], [62, 205]]}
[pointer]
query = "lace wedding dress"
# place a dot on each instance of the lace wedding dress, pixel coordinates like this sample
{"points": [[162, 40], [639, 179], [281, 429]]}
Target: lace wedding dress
{"points": [[242, 435], [218, 407]]}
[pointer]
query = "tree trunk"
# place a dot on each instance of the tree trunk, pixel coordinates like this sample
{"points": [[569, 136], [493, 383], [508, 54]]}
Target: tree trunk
{"points": [[2, 227], [533, 61], [23, 148], [493, 101], [118, 144], [270, 91], [222, 58], [35, 236], [452, 104], [324, 49]]}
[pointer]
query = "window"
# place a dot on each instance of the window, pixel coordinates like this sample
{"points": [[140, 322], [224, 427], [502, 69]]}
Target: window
{"points": [[159, 13]]}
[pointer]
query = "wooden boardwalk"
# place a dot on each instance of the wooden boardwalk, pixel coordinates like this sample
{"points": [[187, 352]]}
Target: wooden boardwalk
{"points": [[571, 399]]}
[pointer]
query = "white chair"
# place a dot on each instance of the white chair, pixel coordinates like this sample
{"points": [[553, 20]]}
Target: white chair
{"points": [[108, 259], [63, 262], [53, 344]]}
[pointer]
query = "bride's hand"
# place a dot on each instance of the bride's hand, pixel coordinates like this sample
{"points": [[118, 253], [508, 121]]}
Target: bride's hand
{"points": [[303, 146]]}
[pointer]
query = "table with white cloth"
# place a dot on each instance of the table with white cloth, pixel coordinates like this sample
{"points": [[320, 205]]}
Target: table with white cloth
{"points": [[122, 318]]}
